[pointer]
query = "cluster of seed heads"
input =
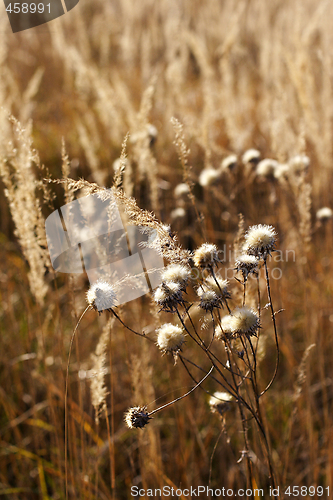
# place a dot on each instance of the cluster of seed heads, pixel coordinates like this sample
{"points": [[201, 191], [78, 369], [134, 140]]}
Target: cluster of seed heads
{"points": [[251, 161], [213, 292]]}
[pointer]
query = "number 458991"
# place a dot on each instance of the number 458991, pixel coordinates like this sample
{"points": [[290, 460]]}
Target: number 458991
{"points": [[304, 491], [25, 8]]}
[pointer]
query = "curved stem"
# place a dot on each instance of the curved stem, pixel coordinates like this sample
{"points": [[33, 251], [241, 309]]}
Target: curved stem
{"points": [[66, 397], [184, 395]]}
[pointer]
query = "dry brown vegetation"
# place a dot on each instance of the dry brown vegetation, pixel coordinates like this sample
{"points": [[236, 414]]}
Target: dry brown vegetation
{"points": [[234, 75]]}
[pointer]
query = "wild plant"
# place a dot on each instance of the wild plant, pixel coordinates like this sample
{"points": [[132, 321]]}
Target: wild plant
{"points": [[228, 335]]}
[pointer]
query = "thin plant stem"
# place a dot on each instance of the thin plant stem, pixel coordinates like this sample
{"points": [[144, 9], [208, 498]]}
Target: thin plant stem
{"points": [[184, 395], [66, 398], [275, 330]]}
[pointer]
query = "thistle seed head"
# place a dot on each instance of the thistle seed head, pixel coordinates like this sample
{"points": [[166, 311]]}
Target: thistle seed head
{"points": [[218, 285], [178, 213], [229, 163], [324, 214], [260, 240], [251, 156], [281, 172], [101, 296], [205, 256], [225, 330], [177, 273], [299, 164], [169, 295], [181, 190], [220, 402], [208, 176], [244, 321], [137, 417], [247, 264], [208, 299], [266, 168], [170, 338]]}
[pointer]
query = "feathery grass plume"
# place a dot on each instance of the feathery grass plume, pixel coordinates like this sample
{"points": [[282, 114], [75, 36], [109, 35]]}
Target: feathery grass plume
{"points": [[219, 402], [208, 299], [65, 169], [18, 176], [143, 137], [164, 242], [183, 154], [169, 296], [304, 203], [170, 338], [229, 163], [247, 264], [266, 168], [177, 273], [244, 321], [119, 165], [101, 296], [98, 390], [90, 144], [251, 156], [208, 176], [136, 417], [205, 256], [301, 373], [324, 214], [260, 240], [239, 237]]}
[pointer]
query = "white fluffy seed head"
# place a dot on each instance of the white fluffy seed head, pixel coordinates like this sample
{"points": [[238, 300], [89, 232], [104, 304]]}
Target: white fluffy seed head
{"points": [[219, 402], [218, 285], [170, 338], [168, 295], [247, 264], [281, 172], [229, 163], [299, 164], [136, 417], [266, 168], [181, 190], [178, 213], [101, 296], [260, 240], [225, 330], [208, 176], [244, 321], [251, 156], [208, 299], [324, 214], [176, 273], [205, 256]]}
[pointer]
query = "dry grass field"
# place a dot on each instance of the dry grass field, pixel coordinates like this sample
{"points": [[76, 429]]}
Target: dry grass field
{"points": [[195, 85]]}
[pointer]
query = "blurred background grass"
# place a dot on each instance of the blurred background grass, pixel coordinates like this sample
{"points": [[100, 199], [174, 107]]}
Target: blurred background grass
{"points": [[251, 74]]}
